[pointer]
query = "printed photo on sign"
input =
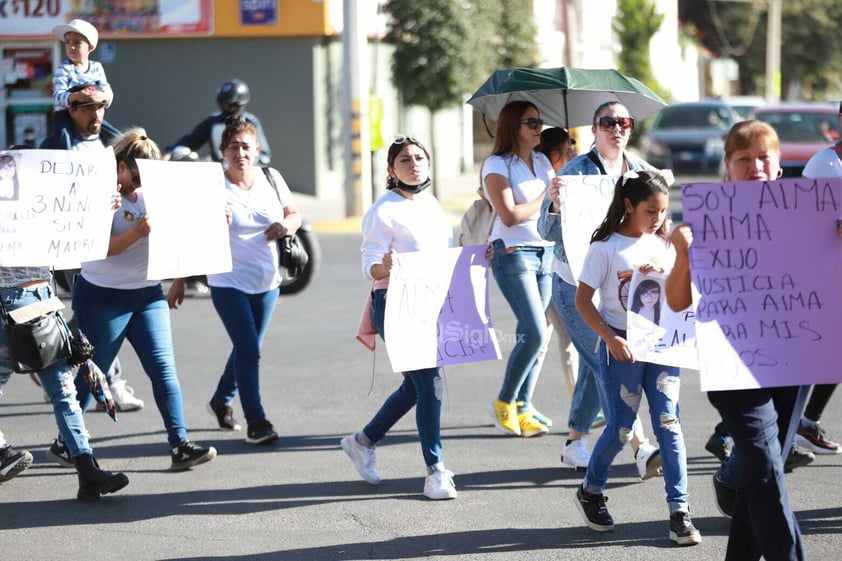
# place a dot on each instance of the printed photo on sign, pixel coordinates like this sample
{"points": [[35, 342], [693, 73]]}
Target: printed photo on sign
{"points": [[55, 207], [186, 201], [765, 261], [437, 310], [656, 333]]}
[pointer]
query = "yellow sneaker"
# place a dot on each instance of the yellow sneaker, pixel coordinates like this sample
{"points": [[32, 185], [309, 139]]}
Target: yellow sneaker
{"points": [[529, 426], [506, 417]]}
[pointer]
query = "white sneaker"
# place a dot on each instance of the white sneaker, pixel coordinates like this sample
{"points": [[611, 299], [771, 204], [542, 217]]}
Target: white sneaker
{"points": [[363, 457], [648, 460], [439, 485], [576, 454], [124, 397]]}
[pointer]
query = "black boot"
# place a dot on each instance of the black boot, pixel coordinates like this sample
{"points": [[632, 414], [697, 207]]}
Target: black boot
{"points": [[93, 481]]}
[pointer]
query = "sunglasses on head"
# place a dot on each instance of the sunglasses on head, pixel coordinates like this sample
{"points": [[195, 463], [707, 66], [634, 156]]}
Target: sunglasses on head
{"points": [[403, 139], [608, 123], [533, 123]]}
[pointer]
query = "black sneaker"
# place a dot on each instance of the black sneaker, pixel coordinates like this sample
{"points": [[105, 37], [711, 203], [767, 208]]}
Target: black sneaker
{"points": [[261, 432], [224, 416], [682, 530], [798, 457], [190, 454], [13, 462], [726, 498], [720, 445], [60, 454], [594, 511]]}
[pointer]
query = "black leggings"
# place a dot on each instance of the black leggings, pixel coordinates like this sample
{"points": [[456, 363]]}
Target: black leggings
{"points": [[818, 400]]}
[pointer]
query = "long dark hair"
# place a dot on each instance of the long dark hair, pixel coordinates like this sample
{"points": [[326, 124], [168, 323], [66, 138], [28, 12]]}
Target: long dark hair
{"points": [[508, 123], [645, 286], [636, 187]]}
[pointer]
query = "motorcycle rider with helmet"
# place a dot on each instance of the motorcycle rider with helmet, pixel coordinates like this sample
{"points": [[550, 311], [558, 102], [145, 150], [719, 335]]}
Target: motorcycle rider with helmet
{"points": [[232, 97]]}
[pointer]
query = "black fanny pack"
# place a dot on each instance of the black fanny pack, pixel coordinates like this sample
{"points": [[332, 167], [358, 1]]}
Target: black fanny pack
{"points": [[37, 335]]}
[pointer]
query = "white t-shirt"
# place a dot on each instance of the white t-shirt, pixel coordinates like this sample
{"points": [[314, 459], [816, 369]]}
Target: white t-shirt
{"points": [[255, 259], [395, 222], [824, 163], [126, 270], [609, 265], [526, 186]]}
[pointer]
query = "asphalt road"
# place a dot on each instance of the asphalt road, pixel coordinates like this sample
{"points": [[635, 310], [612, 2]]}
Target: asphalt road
{"points": [[300, 499]]}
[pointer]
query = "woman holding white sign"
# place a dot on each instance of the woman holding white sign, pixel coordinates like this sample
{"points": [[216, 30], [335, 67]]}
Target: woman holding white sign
{"points": [[761, 421], [114, 301], [612, 129], [406, 218]]}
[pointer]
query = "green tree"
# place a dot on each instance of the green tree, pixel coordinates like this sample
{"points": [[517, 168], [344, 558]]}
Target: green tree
{"points": [[810, 59], [635, 24]]}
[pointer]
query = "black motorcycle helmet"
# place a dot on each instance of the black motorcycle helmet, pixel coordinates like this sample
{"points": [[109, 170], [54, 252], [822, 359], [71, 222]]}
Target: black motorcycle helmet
{"points": [[233, 92]]}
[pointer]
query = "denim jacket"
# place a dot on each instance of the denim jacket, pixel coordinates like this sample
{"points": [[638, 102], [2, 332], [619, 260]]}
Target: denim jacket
{"points": [[549, 223]]}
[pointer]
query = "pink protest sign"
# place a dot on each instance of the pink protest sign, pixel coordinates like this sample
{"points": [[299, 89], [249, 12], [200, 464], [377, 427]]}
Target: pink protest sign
{"points": [[437, 310], [765, 261]]}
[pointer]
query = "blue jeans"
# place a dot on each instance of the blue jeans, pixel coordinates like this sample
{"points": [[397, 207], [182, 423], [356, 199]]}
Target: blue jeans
{"points": [[421, 389], [108, 316], [588, 394], [246, 318], [524, 279], [57, 380], [624, 383], [762, 423]]}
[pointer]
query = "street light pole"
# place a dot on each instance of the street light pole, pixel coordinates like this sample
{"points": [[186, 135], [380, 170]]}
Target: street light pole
{"points": [[773, 53]]}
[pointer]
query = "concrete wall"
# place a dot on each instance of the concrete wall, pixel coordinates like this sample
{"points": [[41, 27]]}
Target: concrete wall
{"points": [[169, 85]]}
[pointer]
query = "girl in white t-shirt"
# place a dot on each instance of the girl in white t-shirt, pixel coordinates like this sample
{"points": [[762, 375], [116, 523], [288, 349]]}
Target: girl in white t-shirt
{"points": [[632, 236]]}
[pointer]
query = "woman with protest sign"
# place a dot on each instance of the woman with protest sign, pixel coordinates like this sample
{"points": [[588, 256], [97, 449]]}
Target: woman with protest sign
{"points": [[113, 301], [762, 421], [612, 129], [406, 218], [633, 235]]}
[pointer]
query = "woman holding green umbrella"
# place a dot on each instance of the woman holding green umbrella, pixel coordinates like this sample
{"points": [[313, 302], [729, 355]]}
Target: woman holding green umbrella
{"points": [[515, 178], [612, 127]]}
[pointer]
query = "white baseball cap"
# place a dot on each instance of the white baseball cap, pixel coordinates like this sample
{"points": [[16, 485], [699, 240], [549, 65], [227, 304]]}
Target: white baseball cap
{"points": [[79, 26]]}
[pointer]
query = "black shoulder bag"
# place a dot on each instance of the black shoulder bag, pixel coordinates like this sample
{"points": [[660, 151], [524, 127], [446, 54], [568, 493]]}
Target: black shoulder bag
{"points": [[37, 335], [292, 254]]}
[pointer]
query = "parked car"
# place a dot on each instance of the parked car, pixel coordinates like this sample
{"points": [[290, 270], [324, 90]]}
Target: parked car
{"points": [[689, 137], [745, 104], [803, 129]]}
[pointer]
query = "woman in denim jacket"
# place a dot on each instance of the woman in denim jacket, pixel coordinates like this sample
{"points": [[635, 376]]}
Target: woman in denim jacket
{"points": [[612, 128]]}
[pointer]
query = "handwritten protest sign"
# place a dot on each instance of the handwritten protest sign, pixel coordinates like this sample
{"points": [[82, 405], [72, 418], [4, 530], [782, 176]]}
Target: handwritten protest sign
{"points": [[186, 202], [437, 309], [55, 206], [656, 333], [583, 202], [765, 260]]}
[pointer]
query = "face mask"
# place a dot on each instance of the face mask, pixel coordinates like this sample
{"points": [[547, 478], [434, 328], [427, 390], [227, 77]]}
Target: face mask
{"points": [[413, 188]]}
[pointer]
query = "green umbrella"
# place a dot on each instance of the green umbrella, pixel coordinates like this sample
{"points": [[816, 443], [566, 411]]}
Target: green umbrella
{"points": [[565, 96]]}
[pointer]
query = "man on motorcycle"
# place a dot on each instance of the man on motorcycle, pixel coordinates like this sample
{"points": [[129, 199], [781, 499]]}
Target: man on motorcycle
{"points": [[232, 98]]}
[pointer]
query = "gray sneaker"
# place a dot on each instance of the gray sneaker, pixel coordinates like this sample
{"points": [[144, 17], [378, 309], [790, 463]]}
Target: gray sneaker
{"points": [[364, 458], [13, 462]]}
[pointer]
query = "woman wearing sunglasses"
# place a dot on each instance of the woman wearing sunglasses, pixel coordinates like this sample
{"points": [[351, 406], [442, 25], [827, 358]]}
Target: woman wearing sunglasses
{"points": [[406, 218], [515, 178], [612, 128]]}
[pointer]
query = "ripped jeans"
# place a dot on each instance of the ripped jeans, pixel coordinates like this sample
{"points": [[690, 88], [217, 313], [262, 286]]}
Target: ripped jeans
{"points": [[421, 389], [624, 383]]}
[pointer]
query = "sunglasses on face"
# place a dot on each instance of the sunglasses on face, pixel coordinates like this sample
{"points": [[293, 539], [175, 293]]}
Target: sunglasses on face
{"points": [[608, 123], [533, 123]]}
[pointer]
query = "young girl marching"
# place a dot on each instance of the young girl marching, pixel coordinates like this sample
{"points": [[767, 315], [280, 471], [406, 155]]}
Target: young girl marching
{"points": [[633, 235]]}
